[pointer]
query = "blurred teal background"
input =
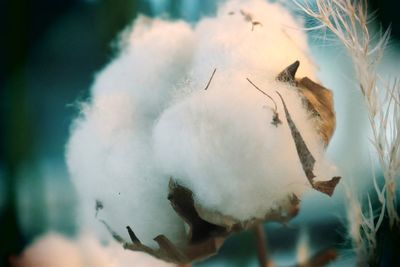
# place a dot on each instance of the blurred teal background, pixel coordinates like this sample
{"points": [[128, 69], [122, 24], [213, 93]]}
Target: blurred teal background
{"points": [[49, 53]]}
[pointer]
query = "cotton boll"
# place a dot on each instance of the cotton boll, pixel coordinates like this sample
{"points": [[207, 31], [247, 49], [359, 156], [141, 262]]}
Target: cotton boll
{"points": [[221, 144], [149, 119], [153, 58], [110, 161]]}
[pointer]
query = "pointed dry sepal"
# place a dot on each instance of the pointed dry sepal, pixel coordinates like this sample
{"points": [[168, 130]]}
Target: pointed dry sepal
{"points": [[289, 73]]}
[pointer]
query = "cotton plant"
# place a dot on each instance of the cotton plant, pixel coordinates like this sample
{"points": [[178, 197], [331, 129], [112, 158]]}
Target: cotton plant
{"points": [[194, 132]]}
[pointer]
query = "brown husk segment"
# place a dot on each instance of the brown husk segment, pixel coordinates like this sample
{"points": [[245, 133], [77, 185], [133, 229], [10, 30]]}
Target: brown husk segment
{"points": [[182, 201], [204, 237], [170, 252], [306, 158], [319, 101], [203, 240]]}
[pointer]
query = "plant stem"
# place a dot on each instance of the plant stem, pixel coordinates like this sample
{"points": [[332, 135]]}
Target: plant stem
{"points": [[261, 244]]}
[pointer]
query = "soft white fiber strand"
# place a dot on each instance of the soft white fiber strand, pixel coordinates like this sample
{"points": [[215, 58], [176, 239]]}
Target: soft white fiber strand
{"points": [[149, 119], [110, 161], [154, 57]]}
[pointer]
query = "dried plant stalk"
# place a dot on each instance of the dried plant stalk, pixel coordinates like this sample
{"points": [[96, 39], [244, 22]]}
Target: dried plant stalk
{"points": [[261, 245]]}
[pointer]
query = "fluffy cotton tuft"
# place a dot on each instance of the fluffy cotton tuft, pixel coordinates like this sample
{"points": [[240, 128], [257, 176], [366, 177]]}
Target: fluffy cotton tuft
{"points": [[229, 41], [53, 250], [222, 145], [149, 119], [109, 155]]}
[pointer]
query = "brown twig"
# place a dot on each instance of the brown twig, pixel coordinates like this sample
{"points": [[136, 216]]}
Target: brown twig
{"points": [[264, 93], [261, 245], [209, 81], [275, 119]]}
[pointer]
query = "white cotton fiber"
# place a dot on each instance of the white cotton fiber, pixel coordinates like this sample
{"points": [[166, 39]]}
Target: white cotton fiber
{"points": [[109, 153], [110, 161], [228, 41], [149, 119], [55, 250], [153, 60], [221, 144]]}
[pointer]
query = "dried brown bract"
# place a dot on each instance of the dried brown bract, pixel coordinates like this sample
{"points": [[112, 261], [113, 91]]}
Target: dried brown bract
{"points": [[319, 101], [207, 229]]}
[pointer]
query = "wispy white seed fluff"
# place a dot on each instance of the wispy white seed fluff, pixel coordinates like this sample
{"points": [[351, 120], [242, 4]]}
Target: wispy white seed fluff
{"points": [[149, 119]]}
